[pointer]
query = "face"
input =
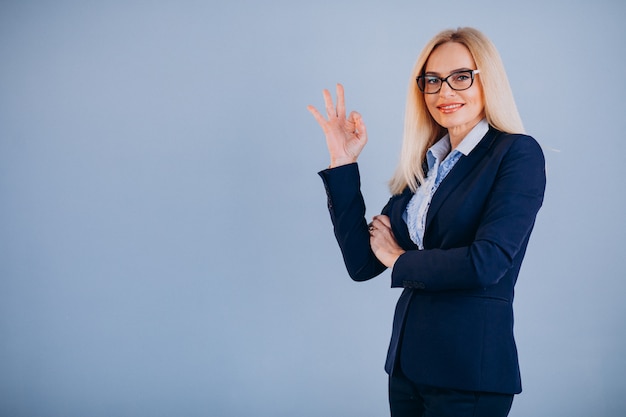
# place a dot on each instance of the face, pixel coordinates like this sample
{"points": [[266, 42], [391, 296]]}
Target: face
{"points": [[457, 111]]}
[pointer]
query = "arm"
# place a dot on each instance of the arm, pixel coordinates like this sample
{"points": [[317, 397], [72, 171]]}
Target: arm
{"points": [[347, 212], [345, 139], [499, 241]]}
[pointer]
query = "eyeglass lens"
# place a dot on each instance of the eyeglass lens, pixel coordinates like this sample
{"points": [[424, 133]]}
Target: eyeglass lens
{"points": [[431, 84]]}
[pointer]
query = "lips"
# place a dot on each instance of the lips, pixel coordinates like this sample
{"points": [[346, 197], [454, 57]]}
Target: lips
{"points": [[450, 108]]}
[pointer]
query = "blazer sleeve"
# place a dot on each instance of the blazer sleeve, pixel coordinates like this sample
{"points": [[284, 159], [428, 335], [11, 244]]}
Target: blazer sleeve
{"points": [[347, 213], [498, 244]]}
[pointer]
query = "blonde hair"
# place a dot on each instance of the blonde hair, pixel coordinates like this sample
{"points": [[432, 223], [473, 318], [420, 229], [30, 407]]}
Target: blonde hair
{"points": [[420, 129]]}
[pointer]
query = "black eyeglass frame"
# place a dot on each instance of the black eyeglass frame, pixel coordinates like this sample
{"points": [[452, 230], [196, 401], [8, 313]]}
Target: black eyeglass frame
{"points": [[421, 86]]}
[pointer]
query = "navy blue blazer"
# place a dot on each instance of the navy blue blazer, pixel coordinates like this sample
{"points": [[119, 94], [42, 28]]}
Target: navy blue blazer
{"points": [[453, 325]]}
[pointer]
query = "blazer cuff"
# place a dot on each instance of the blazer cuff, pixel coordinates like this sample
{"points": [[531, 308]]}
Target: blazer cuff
{"points": [[341, 184]]}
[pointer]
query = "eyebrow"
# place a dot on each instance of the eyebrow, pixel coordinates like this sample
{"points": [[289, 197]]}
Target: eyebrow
{"points": [[451, 72]]}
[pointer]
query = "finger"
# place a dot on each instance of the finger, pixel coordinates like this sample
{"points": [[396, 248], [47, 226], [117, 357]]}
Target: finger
{"points": [[359, 125], [381, 221], [330, 107], [357, 122], [374, 226], [385, 220], [318, 116], [341, 102]]}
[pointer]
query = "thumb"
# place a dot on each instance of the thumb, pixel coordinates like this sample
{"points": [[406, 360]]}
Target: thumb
{"points": [[359, 124]]}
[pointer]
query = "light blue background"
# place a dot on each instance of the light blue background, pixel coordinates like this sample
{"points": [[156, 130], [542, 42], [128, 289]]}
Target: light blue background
{"points": [[165, 248]]}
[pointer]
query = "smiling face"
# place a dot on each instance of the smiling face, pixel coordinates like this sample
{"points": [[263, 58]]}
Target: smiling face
{"points": [[457, 111]]}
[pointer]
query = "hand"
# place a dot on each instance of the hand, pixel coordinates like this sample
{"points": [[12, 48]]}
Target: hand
{"points": [[345, 137], [383, 242]]}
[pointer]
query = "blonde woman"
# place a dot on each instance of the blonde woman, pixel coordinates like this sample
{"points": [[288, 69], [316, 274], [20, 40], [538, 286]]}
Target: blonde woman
{"points": [[464, 199]]}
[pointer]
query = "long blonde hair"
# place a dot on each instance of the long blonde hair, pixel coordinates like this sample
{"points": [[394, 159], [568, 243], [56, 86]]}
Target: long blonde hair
{"points": [[420, 129]]}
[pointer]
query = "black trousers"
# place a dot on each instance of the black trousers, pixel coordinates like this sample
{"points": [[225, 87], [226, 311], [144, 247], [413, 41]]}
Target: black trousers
{"points": [[407, 399]]}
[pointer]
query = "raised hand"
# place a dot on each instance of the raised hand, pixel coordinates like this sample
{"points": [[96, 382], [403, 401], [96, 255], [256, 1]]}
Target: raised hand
{"points": [[345, 136]]}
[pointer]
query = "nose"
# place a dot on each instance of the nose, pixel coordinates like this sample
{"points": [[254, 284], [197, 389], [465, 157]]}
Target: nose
{"points": [[446, 90]]}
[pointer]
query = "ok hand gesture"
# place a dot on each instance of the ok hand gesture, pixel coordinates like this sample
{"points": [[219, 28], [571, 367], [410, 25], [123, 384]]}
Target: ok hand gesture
{"points": [[345, 137]]}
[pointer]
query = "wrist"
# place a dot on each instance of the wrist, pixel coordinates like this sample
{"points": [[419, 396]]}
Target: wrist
{"points": [[337, 162], [395, 257], [391, 258]]}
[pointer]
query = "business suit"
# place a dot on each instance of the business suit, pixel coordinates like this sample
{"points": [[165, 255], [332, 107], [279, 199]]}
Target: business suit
{"points": [[453, 325]]}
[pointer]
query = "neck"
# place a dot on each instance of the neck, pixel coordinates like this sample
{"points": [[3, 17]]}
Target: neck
{"points": [[458, 133]]}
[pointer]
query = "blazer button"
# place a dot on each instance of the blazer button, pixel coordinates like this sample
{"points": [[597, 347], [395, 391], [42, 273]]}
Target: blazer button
{"points": [[414, 285]]}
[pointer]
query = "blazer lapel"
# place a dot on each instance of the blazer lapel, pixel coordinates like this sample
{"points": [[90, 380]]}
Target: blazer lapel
{"points": [[398, 225], [458, 173]]}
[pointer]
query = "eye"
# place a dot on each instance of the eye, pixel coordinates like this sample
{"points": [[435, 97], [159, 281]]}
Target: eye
{"points": [[430, 80], [461, 76]]}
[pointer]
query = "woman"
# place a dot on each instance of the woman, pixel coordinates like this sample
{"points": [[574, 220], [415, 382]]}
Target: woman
{"points": [[464, 199]]}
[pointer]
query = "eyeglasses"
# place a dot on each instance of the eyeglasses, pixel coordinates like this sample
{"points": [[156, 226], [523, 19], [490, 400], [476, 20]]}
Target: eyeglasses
{"points": [[458, 81]]}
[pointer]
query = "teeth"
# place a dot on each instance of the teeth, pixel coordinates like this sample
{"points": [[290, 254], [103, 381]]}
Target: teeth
{"points": [[451, 106]]}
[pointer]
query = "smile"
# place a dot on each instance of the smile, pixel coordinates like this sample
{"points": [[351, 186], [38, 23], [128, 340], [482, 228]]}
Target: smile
{"points": [[450, 108]]}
